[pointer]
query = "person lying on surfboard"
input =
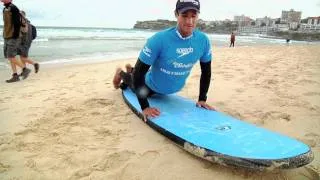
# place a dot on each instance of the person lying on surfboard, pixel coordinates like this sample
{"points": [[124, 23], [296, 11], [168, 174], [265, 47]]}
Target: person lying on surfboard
{"points": [[167, 58]]}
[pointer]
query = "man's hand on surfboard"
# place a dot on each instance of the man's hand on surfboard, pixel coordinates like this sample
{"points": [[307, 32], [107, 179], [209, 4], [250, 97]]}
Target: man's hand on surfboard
{"points": [[203, 104], [150, 112]]}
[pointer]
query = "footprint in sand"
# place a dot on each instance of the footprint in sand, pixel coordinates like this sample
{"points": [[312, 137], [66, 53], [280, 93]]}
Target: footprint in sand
{"points": [[7, 98], [63, 93], [23, 132], [220, 104], [47, 99], [5, 139], [312, 172], [307, 81], [31, 164], [310, 142], [312, 139], [312, 94], [57, 115], [228, 76], [233, 113], [72, 75], [70, 109], [274, 115], [271, 116], [240, 90], [137, 168], [99, 103], [107, 162], [104, 132], [4, 109], [4, 167], [240, 70], [95, 113], [114, 160], [32, 115], [34, 108], [271, 81]]}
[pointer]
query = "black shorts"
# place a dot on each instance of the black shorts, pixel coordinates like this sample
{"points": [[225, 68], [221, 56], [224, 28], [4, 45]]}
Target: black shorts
{"points": [[23, 49], [10, 47]]}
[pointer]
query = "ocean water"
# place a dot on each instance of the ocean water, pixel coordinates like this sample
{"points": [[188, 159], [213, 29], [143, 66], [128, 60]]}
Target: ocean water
{"points": [[56, 45]]}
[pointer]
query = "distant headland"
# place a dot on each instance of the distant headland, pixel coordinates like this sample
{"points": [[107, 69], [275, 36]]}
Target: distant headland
{"points": [[226, 27]]}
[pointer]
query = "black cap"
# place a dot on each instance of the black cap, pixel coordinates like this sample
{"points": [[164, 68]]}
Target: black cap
{"points": [[184, 5]]}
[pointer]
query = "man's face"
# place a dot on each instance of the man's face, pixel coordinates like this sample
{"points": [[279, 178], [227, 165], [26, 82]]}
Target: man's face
{"points": [[6, 1], [187, 21]]}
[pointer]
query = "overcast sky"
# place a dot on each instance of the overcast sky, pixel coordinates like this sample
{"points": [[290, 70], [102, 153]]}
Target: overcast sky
{"points": [[124, 13]]}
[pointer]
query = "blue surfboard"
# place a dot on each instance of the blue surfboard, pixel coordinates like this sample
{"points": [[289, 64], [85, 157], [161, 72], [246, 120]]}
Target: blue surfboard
{"points": [[219, 138]]}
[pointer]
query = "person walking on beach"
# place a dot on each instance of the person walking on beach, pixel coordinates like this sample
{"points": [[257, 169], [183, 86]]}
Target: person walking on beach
{"points": [[171, 54], [11, 35], [232, 39], [26, 40]]}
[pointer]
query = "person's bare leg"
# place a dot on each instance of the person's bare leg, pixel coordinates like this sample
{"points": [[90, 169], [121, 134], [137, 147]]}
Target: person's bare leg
{"points": [[13, 67], [16, 62], [117, 79], [29, 61], [15, 76], [25, 71], [24, 62]]}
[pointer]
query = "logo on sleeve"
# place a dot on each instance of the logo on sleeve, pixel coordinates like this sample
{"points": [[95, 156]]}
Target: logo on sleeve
{"points": [[210, 52], [147, 51]]}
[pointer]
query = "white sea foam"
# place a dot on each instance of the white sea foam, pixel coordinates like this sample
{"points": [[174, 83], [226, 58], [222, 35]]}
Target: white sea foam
{"points": [[84, 45]]}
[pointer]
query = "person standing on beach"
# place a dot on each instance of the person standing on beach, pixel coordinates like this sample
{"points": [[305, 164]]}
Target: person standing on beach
{"points": [[288, 40], [232, 39], [166, 60], [126, 78], [11, 35], [26, 40]]}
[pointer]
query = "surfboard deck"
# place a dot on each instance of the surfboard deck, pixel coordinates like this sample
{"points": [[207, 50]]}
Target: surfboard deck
{"points": [[220, 138]]}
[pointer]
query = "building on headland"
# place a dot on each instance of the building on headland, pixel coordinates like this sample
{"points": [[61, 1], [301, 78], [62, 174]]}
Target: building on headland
{"points": [[243, 20], [207, 23], [292, 18], [310, 24], [314, 20], [265, 21], [289, 20]]}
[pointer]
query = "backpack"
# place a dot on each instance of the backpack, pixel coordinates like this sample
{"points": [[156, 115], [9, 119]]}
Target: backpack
{"points": [[34, 31], [24, 26]]}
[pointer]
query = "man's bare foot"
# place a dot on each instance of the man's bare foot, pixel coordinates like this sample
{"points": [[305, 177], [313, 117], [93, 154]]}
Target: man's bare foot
{"points": [[129, 68], [117, 79]]}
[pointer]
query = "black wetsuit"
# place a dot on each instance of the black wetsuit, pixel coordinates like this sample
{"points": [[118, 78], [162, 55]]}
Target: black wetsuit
{"points": [[136, 81]]}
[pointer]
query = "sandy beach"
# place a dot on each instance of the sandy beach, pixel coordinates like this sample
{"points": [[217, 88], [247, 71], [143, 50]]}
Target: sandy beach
{"points": [[70, 123]]}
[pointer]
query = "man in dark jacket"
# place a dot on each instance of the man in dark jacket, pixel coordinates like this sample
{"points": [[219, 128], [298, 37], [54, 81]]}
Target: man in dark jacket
{"points": [[11, 36]]}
